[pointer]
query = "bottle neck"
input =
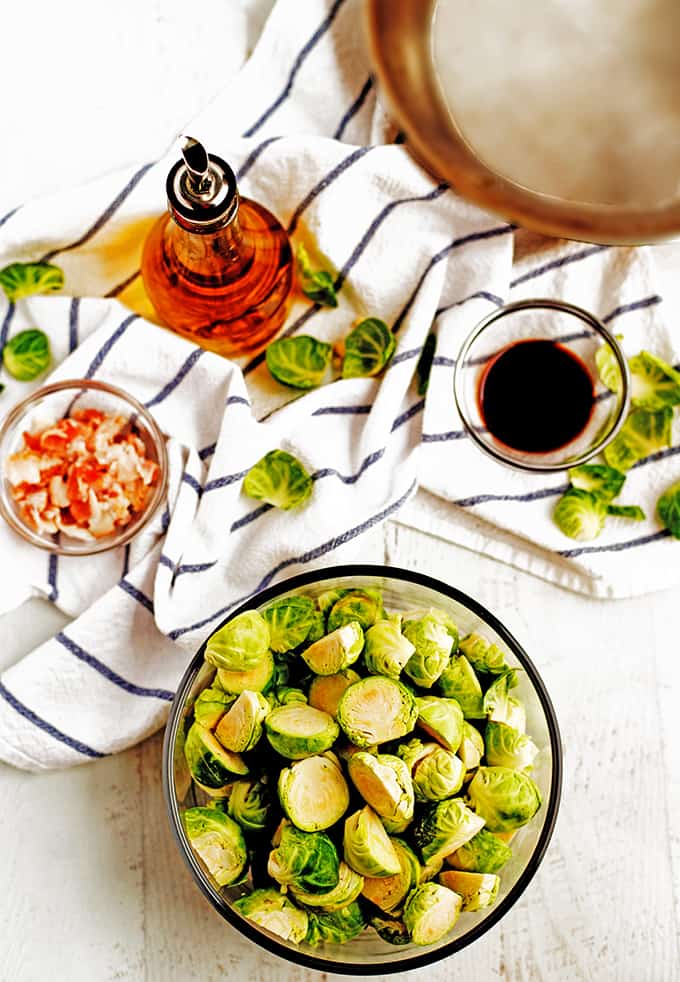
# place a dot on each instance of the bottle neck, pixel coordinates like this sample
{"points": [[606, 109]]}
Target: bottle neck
{"points": [[208, 258]]}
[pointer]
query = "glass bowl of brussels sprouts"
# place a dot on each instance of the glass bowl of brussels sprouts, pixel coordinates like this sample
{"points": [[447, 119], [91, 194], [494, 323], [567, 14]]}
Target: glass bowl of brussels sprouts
{"points": [[362, 769]]}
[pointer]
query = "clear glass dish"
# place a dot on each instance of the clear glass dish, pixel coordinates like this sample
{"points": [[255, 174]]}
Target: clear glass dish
{"points": [[368, 954], [56, 401]]}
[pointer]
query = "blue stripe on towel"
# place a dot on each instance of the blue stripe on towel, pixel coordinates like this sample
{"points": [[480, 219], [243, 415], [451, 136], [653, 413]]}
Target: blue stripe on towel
{"points": [[6, 217], [342, 411], [616, 546], [96, 362], [136, 594], [73, 312], [4, 327], [325, 182], [574, 257], [108, 673], [23, 710], [179, 376], [626, 308], [192, 483], [52, 576], [253, 156], [116, 291], [353, 109]]}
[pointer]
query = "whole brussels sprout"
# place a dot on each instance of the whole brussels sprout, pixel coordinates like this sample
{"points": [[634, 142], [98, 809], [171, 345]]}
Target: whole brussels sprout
{"points": [[478, 890], [363, 606], [484, 853], [507, 747], [386, 650], [254, 679], [376, 709], [431, 911], [241, 644], [210, 707], [241, 726], [471, 749], [326, 691], [442, 719], [273, 911], [433, 645], [290, 619], [390, 929], [438, 775], [336, 651], [348, 888], [458, 681], [445, 827], [335, 926], [483, 655], [327, 598], [384, 782], [218, 840], [389, 892], [250, 804], [313, 793], [304, 860], [211, 765], [506, 799], [298, 731], [367, 847]]}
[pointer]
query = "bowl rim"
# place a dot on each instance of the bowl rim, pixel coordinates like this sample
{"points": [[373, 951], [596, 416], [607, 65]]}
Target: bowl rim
{"points": [[543, 303], [131, 530], [425, 957]]}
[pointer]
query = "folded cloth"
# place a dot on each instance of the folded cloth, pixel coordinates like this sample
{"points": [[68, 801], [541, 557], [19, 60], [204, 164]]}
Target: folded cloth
{"points": [[306, 136]]}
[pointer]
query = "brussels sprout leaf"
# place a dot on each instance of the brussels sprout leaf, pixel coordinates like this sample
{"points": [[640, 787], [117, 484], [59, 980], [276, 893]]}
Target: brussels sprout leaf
{"points": [[608, 367], [279, 479], [299, 362], [642, 434], [654, 383], [668, 509], [27, 355], [634, 512], [317, 285], [368, 348], [24, 279], [580, 514], [605, 482]]}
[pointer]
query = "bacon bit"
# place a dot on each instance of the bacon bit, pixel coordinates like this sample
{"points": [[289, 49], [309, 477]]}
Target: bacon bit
{"points": [[85, 476]]}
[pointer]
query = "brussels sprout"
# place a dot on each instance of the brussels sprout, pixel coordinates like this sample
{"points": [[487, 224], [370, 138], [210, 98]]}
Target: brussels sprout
{"points": [[500, 706], [483, 655], [605, 482], [253, 679], [390, 929], [348, 888], [478, 890], [335, 926], [668, 509], [27, 355], [642, 434], [376, 709], [290, 619], [389, 892], [504, 798], [438, 775], [431, 911], [300, 362], [507, 747], [241, 644], [386, 650], [632, 512], [413, 751], [433, 644], [241, 726], [210, 764], [471, 749], [580, 514], [298, 731], [442, 719], [608, 367], [328, 598], [326, 691], [250, 804], [304, 860], [219, 841], [424, 366], [317, 285], [429, 870], [367, 847], [484, 853], [654, 384], [273, 911], [218, 794], [284, 695], [459, 682], [347, 750], [25, 279], [318, 628], [279, 479], [336, 651], [313, 793], [363, 606], [384, 782], [445, 827], [368, 349], [210, 707]]}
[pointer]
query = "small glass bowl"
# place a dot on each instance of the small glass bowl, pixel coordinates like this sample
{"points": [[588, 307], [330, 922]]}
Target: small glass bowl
{"points": [[573, 328], [53, 402], [368, 954]]}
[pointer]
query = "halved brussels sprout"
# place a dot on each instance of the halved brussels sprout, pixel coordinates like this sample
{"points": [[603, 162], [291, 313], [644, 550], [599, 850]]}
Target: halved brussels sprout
{"points": [[444, 828], [431, 911], [508, 747], [335, 926], [210, 707], [279, 479], [471, 749], [458, 681], [433, 644], [438, 775], [386, 650], [273, 911], [284, 695], [318, 628], [241, 726], [304, 860], [500, 706], [298, 731], [442, 719], [300, 362], [389, 892], [390, 929], [348, 888], [368, 348], [328, 598], [250, 804], [478, 890], [347, 750], [414, 750], [506, 799], [484, 853], [326, 691], [483, 655], [363, 606], [376, 709], [313, 793], [219, 841], [290, 619], [367, 847], [384, 782], [336, 651], [254, 679], [241, 644], [211, 765], [218, 794], [429, 870]]}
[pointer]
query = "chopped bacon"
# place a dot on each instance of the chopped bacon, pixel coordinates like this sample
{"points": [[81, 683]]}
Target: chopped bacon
{"points": [[85, 476]]}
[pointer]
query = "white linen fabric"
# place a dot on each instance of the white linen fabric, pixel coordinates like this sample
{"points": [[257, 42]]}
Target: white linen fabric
{"points": [[307, 138]]}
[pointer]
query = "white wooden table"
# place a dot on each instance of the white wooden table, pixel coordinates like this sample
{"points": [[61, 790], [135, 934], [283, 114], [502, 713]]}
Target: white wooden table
{"points": [[92, 888]]}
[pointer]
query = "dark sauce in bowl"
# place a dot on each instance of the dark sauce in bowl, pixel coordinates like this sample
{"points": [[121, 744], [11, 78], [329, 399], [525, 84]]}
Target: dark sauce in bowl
{"points": [[536, 396]]}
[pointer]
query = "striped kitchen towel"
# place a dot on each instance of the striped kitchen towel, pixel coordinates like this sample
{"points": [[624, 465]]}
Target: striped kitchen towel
{"points": [[307, 137]]}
